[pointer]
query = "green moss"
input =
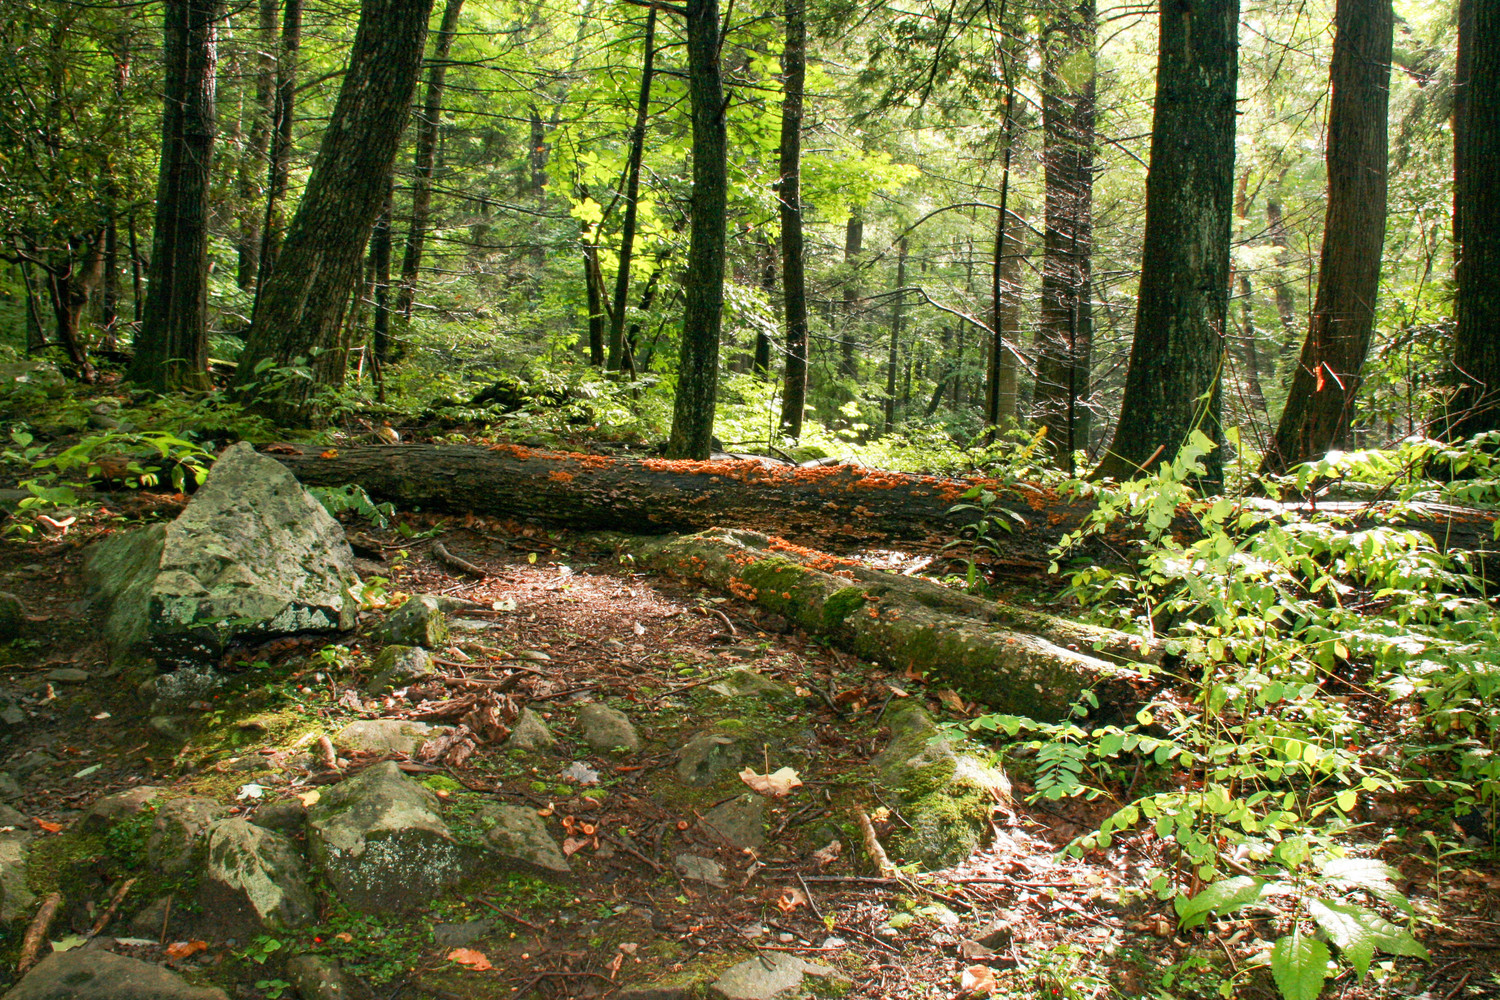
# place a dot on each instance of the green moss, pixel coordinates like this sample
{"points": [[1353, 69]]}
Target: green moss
{"points": [[840, 605]]}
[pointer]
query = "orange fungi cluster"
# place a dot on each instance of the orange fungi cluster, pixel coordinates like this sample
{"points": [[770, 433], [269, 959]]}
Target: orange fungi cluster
{"points": [[812, 557], [515, 451], [559, 476], [742, 589]]}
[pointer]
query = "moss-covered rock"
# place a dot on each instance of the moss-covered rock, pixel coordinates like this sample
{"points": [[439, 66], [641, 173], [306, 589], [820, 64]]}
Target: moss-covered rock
{"points": [[254, 880], [946, 791]]}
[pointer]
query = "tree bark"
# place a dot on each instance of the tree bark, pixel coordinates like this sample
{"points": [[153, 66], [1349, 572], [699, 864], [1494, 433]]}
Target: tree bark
{"points": [[703, 293], [278, 168], [428, 123], [1475, 406], [1184, 294], [760, 363], [252, 167], [616, 356], [854, 242], [1320, 406], [380, 278], [1066, 325], [171, 349], [789, 198], [302, 307], [898, 318]]}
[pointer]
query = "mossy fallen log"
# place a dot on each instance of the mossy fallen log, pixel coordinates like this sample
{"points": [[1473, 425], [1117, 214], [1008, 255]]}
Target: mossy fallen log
{"points": [[1008, 658]]}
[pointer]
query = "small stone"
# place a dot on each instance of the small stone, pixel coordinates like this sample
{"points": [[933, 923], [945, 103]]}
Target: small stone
{"points": [[148, 923], [254, 880], [12, 716], [708, 757], [287, 816], [111, 809], [12, 616], [744, 683], [534, 655], [701, 869], [92, 973], [606, 729], [786, 938], [834, 942], [741, 821], [11, 817], [997, 935], [396, 666], [460, 935], [36, 760], [767, 975], [317, 977], [67, 675], [753, 930], [10, 791], [530, 732], [517, 834], [387, 735], [177, 832], [170, 727], [418, 622]]}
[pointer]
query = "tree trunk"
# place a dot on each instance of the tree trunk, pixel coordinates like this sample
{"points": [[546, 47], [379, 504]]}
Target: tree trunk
{"points": [[1012, 259], [632, 193], [854, 242], [1475, 407], [278, 169], [1248, 344], [593, 281], [789, 191], [898, 317], [703, 300], [428, 123], [302, 307], [761, 362], [380, 279], [1013, 660], [995, 362], [252, 167], [1320, 406], [171, 349], [109, 307], [1184, 293], [1286, 296], [842, 507], [1066, 322]]}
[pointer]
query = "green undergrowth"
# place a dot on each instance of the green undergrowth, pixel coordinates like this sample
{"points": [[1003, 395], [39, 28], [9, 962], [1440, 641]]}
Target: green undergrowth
{"points": [[1316, 670]]}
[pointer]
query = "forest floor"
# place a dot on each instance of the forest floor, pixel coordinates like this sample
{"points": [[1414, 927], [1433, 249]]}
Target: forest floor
{"points": [[588, 627]]}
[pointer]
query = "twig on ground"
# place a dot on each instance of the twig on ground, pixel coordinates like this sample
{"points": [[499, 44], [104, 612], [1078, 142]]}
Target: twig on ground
{"points": [[456, 562], [876, 853], [114, 905], [36, 932]]}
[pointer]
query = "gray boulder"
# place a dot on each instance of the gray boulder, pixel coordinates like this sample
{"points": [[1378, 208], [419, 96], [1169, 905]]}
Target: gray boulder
{"points": [[254, 880], [767, 975], [379, 841], [741, 821], [418, 622], [606, 729], [16, 898], [386, 735], [12, 617], [112, 809], [529, 733], [708, 757], [253, 555], [96, 974], [516, 834], [10, 789], [317, 977], [177, 831], [396, 666]]}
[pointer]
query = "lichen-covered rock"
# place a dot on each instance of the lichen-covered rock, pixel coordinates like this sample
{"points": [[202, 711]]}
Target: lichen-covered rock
{"points": [[96, 974], [741, 821], [177, 832], [112, 809], [16, 898], [12, 616], [606, 729], [253, 554], [386, 735], [418, 622], [766, 976], [947, 794], [379, 841], [708, 757], [530, 732], [516, 834], [396, 666], [254, 879], [317, 977], [741, 683]]}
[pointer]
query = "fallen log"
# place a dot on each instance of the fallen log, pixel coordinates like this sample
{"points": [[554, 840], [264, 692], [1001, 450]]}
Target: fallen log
{"points": [[1009, 658], [840, 507]]}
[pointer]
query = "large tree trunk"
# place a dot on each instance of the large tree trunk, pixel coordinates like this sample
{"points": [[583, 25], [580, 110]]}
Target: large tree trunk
{"points": [[893, 356], [1184, 294], [278, 166], [426, 159], [1475, 407], [302, 307], [703, 299], [1066, 323], [616, 355], [1013, 660], [252, 166], [789, 191], [1320, 406], [380, 277], [171, 349]]}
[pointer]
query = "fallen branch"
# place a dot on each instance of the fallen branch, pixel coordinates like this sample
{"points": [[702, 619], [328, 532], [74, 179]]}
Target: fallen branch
{"points": [[454, 562], [114, 905], [873, 849], [36, 933]]}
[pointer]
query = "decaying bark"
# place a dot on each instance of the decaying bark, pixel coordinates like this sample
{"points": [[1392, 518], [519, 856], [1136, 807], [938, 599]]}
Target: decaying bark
{"points": [[1014, 660], [842, 507]]}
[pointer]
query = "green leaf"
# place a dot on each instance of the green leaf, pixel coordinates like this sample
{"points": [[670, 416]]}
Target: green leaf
{"points": [[1221, 897], [1300, 965]]}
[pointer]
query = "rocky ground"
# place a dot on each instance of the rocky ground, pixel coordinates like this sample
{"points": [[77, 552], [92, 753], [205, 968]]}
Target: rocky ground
{"points": [[529, 769]]}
